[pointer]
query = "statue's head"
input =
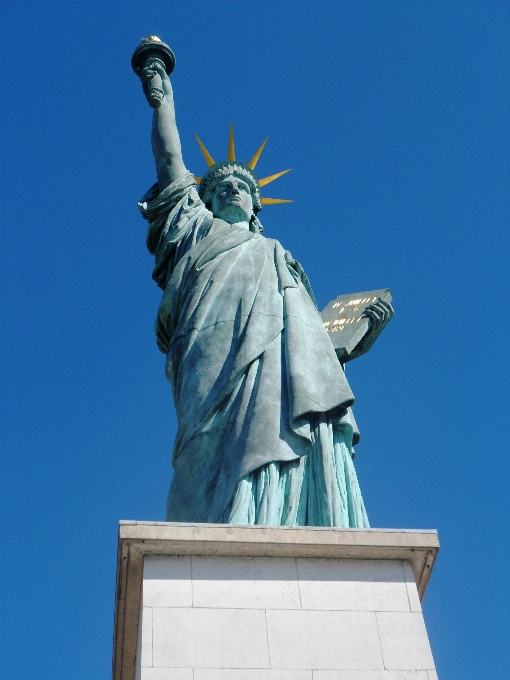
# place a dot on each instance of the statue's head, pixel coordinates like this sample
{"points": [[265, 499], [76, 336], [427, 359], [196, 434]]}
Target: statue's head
{"points": [[224, 180], [231, 189]]}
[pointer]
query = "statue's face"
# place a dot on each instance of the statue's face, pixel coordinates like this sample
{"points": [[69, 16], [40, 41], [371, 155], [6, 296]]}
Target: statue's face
{"points": [[232, 201]]}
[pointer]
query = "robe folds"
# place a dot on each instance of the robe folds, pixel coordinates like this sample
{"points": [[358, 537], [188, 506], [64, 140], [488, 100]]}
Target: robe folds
{"points": [[252, 369]]}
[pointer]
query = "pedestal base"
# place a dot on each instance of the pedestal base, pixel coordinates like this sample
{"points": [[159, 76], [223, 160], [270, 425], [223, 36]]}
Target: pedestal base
{"points": [[222, 602]]}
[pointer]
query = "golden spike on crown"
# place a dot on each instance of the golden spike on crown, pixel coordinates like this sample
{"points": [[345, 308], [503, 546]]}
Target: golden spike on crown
{"points": [[231, 150], [208, 158], [231, 156], [255, 158], [271, 178]]}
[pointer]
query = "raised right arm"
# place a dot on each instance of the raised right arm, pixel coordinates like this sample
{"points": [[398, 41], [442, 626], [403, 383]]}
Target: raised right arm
{"points": [[166, 145]]}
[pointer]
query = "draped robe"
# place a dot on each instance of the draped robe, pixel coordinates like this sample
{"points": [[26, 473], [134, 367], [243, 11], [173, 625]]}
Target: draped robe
{"points": [[253, 372]]}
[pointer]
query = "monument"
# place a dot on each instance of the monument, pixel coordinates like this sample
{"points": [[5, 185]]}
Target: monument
{"points": [[266, 566]]}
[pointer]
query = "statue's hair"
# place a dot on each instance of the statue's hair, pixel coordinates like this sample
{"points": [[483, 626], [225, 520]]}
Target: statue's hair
{"points": [[220, 171]]}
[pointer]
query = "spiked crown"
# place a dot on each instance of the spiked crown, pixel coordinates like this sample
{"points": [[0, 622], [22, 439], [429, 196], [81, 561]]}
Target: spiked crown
{"points": [[218, 171]]}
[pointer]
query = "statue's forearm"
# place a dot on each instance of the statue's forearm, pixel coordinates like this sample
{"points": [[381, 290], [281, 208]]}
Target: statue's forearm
{"points": [[361, 348], [166, 144]]}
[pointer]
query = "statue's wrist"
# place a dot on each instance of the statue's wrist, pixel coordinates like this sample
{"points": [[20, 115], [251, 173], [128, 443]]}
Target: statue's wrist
{"points": [[167, 103]]}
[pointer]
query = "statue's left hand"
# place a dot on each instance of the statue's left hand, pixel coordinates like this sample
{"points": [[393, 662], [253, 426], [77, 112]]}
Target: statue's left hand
{"points": [[379, 314]]}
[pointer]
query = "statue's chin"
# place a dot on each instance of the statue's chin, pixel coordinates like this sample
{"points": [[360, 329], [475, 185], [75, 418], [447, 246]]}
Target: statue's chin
{"points": [[233, 214]]}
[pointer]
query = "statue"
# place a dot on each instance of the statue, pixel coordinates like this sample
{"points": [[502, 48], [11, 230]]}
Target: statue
{"points": [[265, 427]]}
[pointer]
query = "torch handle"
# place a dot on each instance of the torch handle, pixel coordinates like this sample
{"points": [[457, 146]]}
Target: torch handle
{"points": [[154, 89]]}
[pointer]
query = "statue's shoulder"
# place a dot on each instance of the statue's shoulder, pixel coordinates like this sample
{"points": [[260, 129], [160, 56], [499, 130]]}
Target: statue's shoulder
{"points": [[272, 242], [274, 245]]}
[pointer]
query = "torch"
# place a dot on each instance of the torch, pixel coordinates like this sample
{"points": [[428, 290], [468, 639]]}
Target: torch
{"points": [[150, 50]]}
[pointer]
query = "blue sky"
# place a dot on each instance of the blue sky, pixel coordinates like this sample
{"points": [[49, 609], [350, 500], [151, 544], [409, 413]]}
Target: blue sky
{"points": [[394, 117]]}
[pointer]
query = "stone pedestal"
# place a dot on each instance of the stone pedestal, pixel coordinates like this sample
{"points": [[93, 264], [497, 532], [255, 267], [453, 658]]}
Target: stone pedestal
{"points": [[220, 602]]}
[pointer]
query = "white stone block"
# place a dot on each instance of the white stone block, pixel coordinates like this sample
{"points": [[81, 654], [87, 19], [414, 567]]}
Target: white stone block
{"points": [[245, 582], [370, 675], [167, 581], [432, 675], [412, 591], [257, 674], [404, 641], [209, 638], [323, 639], [146, 646], [355, 585], [167, 674]]}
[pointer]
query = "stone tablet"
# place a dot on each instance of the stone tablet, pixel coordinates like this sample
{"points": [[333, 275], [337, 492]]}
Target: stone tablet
{"points": [[344, 321]]}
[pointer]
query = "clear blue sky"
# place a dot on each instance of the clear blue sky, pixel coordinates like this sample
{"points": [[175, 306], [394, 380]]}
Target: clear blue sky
{"points": [[395, 119]]}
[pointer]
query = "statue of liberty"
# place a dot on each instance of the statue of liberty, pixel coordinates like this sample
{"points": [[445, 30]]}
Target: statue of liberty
{"points": [[265, 428]]}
